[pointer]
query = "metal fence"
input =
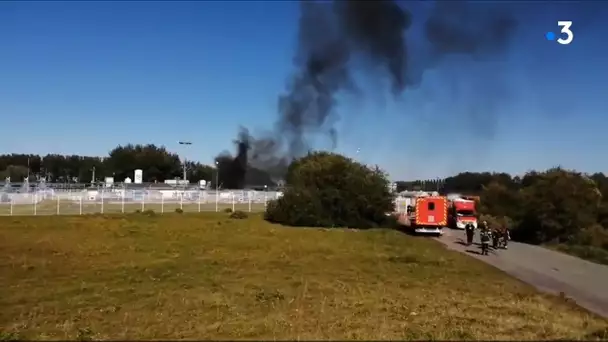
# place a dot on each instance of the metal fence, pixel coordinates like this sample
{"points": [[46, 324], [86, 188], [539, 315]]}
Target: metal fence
{"points": [[62, 202], [80, 202]]}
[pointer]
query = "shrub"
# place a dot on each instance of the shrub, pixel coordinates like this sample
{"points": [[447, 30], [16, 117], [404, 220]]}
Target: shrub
{"points": [[330, 190], [179, 210], [557, 206], [592, 253], [596, 236], [149, 212], [228, 210], [239, 215], [497, 221]]}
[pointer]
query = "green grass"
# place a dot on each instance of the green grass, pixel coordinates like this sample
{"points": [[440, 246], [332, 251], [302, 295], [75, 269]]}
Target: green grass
{"points": [[592, 253], [206, 276]]}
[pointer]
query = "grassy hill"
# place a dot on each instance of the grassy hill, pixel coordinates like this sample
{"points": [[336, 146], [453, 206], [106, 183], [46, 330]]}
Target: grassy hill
{"points": [[206, 276]]}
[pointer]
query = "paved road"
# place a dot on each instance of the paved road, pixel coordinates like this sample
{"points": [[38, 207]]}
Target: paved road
{"points": [[581, 280]]}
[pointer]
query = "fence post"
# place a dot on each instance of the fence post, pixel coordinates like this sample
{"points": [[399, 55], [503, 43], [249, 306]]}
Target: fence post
{"points": [[58, 204], [11, 205], [122, 201], [249, 200], [233, 201], [199, 200], [102, 201], [80, 211], [181, 200], [162, 202], [265, 198], [143, 202], [35, 204]]}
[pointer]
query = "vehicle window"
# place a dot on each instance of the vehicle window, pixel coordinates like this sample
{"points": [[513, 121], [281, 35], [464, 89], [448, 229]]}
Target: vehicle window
{"points": [[431, 206], [465, 213]]}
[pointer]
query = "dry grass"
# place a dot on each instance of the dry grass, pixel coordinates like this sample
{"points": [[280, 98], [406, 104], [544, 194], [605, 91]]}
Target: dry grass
{"points": [[206, 276]]}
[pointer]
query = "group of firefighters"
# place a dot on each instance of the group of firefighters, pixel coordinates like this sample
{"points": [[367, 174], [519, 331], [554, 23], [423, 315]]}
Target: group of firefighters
{"points": [[499, 236]]}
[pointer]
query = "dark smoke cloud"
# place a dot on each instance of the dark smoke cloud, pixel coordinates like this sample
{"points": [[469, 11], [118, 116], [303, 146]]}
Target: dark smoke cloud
{"points": [[472, 32], [460, 27], [377, 28], [330, 33]]}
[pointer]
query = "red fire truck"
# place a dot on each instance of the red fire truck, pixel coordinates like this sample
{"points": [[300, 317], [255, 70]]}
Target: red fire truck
{"points": [[426, 215], [461, 212]]}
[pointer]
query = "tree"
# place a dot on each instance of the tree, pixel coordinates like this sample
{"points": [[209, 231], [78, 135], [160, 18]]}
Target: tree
{"points": [[329, 190], [157, 163], [498, 200], [557, 206], [16, 173]]}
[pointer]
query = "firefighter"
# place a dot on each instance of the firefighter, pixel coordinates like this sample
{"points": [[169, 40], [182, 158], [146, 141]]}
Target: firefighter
{"points": [[470, 231], [506, 236], [495, 234], [484, 225], [484, 236]]}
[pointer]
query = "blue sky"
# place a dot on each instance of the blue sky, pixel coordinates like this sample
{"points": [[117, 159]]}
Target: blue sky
{"points": [[83, 77]]}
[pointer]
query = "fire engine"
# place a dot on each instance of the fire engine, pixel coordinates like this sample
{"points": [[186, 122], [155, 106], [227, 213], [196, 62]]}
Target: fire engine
{"points": [[461, 212], [425, 214]]}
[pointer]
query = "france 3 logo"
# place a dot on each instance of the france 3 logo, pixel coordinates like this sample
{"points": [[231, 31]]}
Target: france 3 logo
{"points": [[565, 36]]}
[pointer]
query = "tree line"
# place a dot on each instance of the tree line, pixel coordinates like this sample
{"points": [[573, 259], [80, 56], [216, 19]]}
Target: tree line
{"points": [[157, 163]]}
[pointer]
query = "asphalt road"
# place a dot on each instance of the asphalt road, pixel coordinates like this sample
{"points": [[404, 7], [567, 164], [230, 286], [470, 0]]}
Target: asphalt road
{"points": [[550, 271]]}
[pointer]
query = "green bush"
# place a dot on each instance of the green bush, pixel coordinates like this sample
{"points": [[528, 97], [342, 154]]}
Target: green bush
{"points": [[591, 253], [179, 210], [149, 212], [239, 215], [497, 221], [228, 210], [557, 206], [595, 236], [329, 190]]}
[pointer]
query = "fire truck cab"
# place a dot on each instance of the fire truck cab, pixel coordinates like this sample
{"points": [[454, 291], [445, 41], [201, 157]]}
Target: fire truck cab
{"points": [[426, 215], [462, 212]]}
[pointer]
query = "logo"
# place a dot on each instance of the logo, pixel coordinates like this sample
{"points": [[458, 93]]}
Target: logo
{"points": [[565, 37]]}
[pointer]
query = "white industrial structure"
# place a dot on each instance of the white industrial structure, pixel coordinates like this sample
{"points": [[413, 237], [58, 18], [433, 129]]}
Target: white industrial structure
{"points": [[138, 176]]}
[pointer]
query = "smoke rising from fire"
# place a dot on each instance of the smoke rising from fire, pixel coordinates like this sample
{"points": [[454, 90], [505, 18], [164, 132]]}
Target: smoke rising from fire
{"points": [[331, 33]]}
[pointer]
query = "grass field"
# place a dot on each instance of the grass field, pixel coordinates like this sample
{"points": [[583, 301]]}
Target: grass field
{"points": [[207, 276]]}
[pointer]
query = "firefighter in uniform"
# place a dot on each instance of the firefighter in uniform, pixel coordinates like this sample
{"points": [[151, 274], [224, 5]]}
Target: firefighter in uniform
{"points": [[496, 234], [470, 231], [484, 236], [484, 225], [506, 236]]}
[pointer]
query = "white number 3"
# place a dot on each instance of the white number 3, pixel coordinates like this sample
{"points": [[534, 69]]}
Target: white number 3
{"points": [[565, 25]]}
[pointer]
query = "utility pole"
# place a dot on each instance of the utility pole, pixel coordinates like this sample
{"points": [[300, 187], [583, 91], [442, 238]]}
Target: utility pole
{"points": [[184, 160], [93, 178], [217, 176]]}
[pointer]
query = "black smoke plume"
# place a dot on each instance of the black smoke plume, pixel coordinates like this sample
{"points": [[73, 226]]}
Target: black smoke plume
{"points": [[329, 35]]}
